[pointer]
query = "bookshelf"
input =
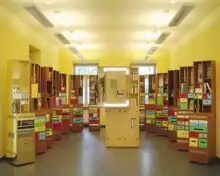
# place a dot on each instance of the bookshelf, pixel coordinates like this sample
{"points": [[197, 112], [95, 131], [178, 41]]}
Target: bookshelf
{"points": [[94, 115], [202, 124], [186, 101], [77, 118], [63, 89], [173, 91], [142, 92], [162, 104], [57, 123], [150, 106], [93, 90], [94, 118], [35, 99], [76, 101], [134, 87], [55, 88], [46, 86], [40, 133], [66, 118]]}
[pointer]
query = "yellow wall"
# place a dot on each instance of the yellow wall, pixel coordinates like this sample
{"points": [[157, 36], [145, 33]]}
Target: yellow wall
{"points": [[16, 36], [204, 45]]}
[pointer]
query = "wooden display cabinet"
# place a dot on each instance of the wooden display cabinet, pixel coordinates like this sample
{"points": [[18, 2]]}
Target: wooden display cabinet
{"points": [[173, 91], [94, 118], [93, 90], [202, 125], [186, 101], [63, 89], [35, 99], [66, 118], [40, 132], [77, 118], [47, 86], [57, 123], [162, 104], [150, 106], [76, 101], [134, 87], [76, 89], [55, 89], [142, 93]]}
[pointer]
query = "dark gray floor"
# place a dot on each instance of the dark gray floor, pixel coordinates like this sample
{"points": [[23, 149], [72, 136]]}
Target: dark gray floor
{"points": [[84, 154]]}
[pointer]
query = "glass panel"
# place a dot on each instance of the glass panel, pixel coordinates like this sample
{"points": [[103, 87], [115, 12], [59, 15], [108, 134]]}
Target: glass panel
{"points": [[86, 70]]}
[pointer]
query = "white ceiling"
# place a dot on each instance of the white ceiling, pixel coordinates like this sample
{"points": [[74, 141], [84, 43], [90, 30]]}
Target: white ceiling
{"points": [[96, 25]]}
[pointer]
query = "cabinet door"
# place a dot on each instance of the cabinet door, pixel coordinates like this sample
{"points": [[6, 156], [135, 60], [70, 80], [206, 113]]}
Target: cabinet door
{"points": [[26, 148], [122, 127], [132, 127]]}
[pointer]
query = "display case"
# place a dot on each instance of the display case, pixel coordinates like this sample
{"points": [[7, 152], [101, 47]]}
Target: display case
{"points": [[35, 99], [57, 123], [55, 89], [66, 119], [76, 90], [142, 93], [162, 104], [134, 87], [49, 127], [63, 89], [40, 132], [202, 124], [47, 87], [93, 90], [151, 106], [173, 92], [77, 118], [186, 106], [94, 118]]}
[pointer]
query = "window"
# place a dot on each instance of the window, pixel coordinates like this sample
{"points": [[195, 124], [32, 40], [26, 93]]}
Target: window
{"points": [[146, 70], [86, 70]]}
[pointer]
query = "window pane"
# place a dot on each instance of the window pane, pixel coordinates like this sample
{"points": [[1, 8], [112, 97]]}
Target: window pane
{"points": [[146, 70], [86, 70]]}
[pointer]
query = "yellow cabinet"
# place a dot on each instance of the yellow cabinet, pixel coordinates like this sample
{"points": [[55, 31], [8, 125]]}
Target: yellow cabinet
{"points": [[122, 127]]}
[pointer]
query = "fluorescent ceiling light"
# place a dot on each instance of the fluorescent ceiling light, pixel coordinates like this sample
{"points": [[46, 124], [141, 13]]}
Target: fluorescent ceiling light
{"points": [[145, 45], [152, 35], [160, 19], [149, 36], [112, 69], [77, 36], [65, 18]]}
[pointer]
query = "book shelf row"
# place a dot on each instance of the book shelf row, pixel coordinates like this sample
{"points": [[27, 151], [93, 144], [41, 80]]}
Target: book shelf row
{"points": [[184, 108]]}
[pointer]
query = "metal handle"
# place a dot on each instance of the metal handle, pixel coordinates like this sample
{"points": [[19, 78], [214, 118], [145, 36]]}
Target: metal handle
{"points": [[132, 127], [132, 122]]}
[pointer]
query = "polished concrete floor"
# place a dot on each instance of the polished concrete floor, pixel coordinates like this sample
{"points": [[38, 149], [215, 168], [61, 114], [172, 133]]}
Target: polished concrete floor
{"points": [[84, 154]]}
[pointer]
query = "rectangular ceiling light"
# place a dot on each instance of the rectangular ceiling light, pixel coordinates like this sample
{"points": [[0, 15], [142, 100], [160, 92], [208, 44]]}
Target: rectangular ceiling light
{"points": [[35, 12], [77, 53], [181, 15], [146, 57], [152, 50], [162, 38], [62, 38]]}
